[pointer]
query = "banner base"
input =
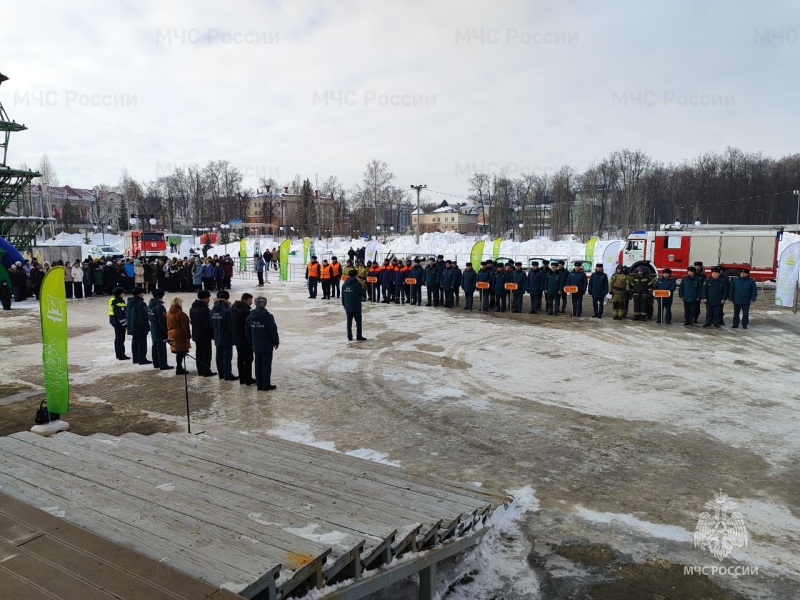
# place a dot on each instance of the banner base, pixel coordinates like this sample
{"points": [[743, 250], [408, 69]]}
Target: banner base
{"points": [[48, 429]]}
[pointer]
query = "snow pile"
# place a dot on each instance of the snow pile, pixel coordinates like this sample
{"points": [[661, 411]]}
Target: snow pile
{"points": [[495, 564]]}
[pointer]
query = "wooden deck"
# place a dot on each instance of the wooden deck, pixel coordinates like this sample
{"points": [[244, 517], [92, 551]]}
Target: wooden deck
{"points": [[252, 514], [44, 557]]}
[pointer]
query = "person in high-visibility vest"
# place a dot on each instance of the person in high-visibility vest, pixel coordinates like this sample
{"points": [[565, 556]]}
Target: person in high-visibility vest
{"points": [[312, 276], [118, 320], [336, 269], [326, 276]]}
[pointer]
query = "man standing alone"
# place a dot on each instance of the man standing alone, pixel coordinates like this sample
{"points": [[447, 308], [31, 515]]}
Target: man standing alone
{"points": [[351, 300], [262, 335]]}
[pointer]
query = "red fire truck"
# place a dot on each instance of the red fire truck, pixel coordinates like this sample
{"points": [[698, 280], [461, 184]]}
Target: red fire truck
{"points": [[145, 243], [732, 247]]}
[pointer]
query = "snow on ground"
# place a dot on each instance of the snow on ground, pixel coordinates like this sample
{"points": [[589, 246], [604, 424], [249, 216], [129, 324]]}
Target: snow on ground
{"points": [[623, 429]]}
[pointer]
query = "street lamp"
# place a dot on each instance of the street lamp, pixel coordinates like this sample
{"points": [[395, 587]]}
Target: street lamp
{"points": [[419, 189], [225, 227], [797, 193]]}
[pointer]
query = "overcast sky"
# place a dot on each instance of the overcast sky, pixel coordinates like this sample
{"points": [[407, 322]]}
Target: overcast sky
{"points": [[437, 89]]}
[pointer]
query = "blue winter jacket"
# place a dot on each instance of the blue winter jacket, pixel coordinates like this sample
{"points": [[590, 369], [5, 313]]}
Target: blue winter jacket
{"points": [[743, 290], [221, 323]]}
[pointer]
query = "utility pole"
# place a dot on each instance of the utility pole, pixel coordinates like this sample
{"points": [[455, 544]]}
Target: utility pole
{"points": [[797, 193], [419, 189]]}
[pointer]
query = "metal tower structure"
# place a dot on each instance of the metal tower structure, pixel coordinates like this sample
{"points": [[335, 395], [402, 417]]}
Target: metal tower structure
{"points": [[17, 223]]}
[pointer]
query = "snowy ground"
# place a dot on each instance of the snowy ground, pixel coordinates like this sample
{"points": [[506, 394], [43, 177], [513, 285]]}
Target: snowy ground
{"points": [[610, 435]]}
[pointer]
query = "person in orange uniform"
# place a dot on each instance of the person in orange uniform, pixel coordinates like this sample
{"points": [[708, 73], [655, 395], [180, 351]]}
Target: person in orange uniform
{"points": [[312, 276], [374, 288], [326, 276], [336, 268]]}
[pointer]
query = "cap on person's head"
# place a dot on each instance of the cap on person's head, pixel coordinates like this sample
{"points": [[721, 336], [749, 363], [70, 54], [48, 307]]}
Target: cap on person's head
{"points": [[157, 293], [223, 295], [545, 261], [578, 263], [334, 258], [667, 271], [640, 268], [416, 260], [599, 265], [517, 264], [716, 270], [619, 267], [561, 262], [408, 261], [744, 271], [203, 294], [691, 270], [534, 263], [439, 256], [469, 264], [118, 291], [431, 259], [448, 262], [260, 302], [314, 256], [137, 290], [698, 263], [352, 272], [324, 260]]}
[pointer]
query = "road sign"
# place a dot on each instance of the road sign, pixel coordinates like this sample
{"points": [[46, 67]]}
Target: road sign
{"points": [[510, 286], [661, 293], [482, 285], [372, 279], [571, 289], [411, 281]]}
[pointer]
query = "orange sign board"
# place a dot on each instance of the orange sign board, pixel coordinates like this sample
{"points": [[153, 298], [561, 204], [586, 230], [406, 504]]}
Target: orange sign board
{"points": [[510, 286], [411, 281], [661, 293], [482, 285], [372, 279], [571, 289]]}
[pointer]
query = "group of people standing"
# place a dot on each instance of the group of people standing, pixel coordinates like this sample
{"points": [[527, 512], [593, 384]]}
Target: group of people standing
{"points": [[252, 331]]}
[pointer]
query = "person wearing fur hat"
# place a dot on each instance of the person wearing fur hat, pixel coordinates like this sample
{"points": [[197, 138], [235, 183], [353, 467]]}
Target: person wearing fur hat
{"points": [[157, 315], [138, 326], [223, 335]]}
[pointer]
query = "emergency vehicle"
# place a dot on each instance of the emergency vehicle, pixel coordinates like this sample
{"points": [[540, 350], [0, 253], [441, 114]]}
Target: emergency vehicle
{"points": [[145, 243], [731, 247]]}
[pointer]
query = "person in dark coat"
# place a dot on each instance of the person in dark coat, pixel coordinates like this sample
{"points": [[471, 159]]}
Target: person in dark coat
{"points": [[743, 292], [432, 283], [157, 316], [262, 334], [223, 335], [535, 286], [417, 272], [5, 295], [577, 278], [448, 283], [563, 274], [552, 285], [440, 264], [713, 295], [202, 332], [689, 292], [386, 277], [484, 275], [458, 273], [499, 279], [351, 300], [138, 326], [666, 282], [468, 281], [244, 353], [519, 277], [701, 275], [598, 290]]}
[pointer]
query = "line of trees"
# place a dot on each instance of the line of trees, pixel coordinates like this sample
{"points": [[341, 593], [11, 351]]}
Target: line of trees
{"points": [[629, 190], [626, 190]]}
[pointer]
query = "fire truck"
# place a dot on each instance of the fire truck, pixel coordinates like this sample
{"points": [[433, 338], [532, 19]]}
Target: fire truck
{"points": [[730, 247], [145, 243]]}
